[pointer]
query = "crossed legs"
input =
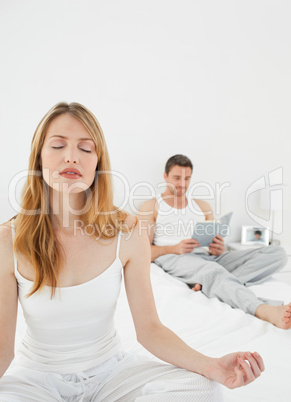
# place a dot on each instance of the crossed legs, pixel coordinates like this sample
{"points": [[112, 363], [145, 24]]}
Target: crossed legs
{"points": [[228, 276]]}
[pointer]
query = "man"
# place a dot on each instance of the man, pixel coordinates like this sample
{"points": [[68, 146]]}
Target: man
{"points": [[258, 237], [217, 272]]}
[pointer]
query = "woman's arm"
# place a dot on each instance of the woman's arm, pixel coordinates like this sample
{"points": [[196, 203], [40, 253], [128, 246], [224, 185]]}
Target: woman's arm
{"points": [[231, 370], [8, 300]]}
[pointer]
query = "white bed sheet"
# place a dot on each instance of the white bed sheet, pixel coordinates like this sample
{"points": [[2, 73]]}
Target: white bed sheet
{"points": [[215, 329]]}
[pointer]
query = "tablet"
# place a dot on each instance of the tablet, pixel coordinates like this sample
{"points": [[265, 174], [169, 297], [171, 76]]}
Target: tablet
{"points": [[204, 232]]}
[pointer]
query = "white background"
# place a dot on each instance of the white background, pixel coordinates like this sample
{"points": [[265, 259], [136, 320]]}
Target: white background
{"points": [[208, 79]]}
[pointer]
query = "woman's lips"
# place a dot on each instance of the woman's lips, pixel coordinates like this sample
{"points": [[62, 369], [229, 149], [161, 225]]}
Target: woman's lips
{"points": [[71, 173]]}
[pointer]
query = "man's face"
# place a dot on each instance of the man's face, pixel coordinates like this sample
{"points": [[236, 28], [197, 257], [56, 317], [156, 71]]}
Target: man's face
{"points": [[178, 179]]}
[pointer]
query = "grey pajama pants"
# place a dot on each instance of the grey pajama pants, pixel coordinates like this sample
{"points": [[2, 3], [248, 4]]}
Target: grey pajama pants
{"points": [[124, 378], [228, 276]]}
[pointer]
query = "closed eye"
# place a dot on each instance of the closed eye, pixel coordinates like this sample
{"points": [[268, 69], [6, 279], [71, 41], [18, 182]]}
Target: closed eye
{"points": [[85, 150]]}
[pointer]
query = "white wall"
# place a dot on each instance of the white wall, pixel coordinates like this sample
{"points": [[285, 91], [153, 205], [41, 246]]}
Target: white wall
{"points": [[210, 79]]}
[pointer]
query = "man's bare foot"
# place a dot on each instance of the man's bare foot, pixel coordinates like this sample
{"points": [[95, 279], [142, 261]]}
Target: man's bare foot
{"points": [[280, 316], [197, 287]]}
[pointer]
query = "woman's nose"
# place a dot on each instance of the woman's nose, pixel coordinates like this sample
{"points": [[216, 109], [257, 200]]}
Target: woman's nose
{"points": [[71, 156]]}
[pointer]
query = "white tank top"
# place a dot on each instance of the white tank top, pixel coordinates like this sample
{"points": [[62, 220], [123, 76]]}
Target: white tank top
{"points": [[174, 225], [75, 330]]}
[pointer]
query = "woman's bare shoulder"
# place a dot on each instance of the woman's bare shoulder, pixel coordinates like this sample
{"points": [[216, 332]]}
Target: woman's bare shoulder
{"points": [[130, 221], [5, 232], [136, 235], [135, 243], [6, 247], [130, 224]]}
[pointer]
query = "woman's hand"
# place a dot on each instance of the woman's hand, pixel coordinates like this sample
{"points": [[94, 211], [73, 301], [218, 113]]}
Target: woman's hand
{"points": [[217, 246], [237, 369]]}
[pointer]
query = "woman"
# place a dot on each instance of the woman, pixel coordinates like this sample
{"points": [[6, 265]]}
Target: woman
{"points": [[71, 244]]}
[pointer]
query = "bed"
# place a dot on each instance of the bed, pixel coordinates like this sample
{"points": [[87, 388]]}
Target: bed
{"points": [[214, 328]]}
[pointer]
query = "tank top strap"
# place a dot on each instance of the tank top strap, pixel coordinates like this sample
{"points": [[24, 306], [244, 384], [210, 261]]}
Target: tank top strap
{"points": [[118, 244], [160, 200], [13, 236]]}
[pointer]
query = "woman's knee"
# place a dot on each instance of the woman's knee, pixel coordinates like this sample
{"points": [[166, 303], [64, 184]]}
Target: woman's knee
{"points": [[186, 386]]}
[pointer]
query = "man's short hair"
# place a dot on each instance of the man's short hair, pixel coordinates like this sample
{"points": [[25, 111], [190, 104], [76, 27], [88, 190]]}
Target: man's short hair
{"points": [[180, 160], [258, 232]]}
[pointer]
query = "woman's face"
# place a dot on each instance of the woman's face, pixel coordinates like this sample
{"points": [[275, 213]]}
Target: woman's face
{"points": [[68, 156]]}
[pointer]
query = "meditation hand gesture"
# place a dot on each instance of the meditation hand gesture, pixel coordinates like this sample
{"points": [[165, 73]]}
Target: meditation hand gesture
{"points": [[237, 369]]}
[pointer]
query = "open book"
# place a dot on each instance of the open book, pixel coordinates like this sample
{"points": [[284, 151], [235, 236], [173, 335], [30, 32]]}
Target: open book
{"points": [[204, 232]]}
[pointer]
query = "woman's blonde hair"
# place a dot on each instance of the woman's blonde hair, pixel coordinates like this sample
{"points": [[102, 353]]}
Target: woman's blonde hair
{"points": [[34, 236]]}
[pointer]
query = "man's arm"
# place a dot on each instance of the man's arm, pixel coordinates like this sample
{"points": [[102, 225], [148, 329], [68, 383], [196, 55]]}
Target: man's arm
{"points": [[206, 209], [147, 216]]}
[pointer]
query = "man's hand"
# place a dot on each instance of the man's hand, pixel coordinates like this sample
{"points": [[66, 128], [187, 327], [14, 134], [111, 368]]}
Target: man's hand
{"points": [[186, 246], [217, 246], [237, 369]]}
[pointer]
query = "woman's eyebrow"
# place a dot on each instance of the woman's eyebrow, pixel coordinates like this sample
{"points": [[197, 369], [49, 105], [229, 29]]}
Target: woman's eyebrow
{"points": [[65, 138]]}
